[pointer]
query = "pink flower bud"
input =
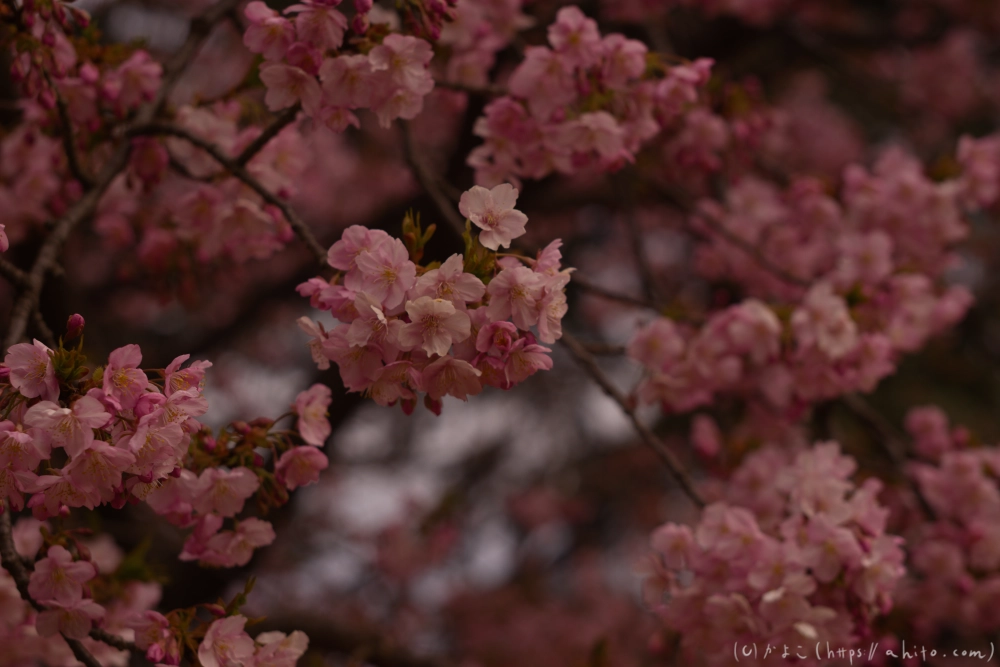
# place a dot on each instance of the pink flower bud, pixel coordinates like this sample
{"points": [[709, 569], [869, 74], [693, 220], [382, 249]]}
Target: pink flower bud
{"points": [[74, 326], [359, 23]]}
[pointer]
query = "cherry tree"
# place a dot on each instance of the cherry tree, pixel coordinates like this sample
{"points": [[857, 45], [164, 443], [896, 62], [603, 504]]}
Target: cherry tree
{"points": [[711, 274]]}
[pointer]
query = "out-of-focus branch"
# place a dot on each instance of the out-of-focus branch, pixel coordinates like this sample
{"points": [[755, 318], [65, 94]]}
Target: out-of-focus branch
{"points": [[69, 144], [46, 261], [19, 572], [604, 292], [682, 202], [49, 253], [284, 119], [368, 645], [752, 251], [589, 364], [297, 223], [890, 440], [16, 276], [429, 182], [485, 91]]}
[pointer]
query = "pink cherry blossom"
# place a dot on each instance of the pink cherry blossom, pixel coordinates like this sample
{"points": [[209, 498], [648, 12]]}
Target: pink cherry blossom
{"points": [[178, 379], [515, 293], [280, 650], [347, 81], [434, 326], [287, 85], [223, 492], [19, 450], [319, 25], [123, 381], [493, 212], [69, 428], [450, 377], [31, 371], [575, 37], [226, 644], [449, 281], [268, 33], [311, 406], [405, 59], [58, 577], [99, 467], [73, 619], [388, 272], [300, 466]]}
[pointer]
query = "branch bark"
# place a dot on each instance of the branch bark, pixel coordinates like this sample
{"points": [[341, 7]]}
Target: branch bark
{"points": [[298, 224], [590, 366]]}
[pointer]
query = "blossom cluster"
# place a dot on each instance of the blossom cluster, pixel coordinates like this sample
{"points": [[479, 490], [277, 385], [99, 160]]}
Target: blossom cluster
{"points": [[954, 583], [206, 214], [480, 29], [586, 101], [793, 553], [308, 63], [866, 286], [445, 329], [73, 579], [227, 643]]}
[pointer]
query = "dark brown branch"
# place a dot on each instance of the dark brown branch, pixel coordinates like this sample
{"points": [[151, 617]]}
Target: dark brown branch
{"points": [[69, 143], [485, 91], [429, 182], [604, 292], [589, 364], [604, 349], [683, 203], [43, 329], [751, 251], [19, 572], [299, 225], [46, 261], [47, 256], [890, 440], [270, 132], [16, 276]]}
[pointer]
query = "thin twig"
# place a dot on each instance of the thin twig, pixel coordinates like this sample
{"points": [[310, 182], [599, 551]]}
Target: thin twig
{"points": [[890, 440], [625, 182], [298, 225], [46, 261], [15, 566], [589, 364], [47, 256], [44, 332], [16, 276], [604, 349], [604, 292], [270, 132], [682, 202], [751, 251], [69, 142], [429, 183], [485, 91]]}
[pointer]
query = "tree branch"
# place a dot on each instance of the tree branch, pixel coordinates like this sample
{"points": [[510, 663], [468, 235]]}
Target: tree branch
{"points": [[429, 182], [230, 165], [270, 132], [589, 364], [890, 440], [12, 562], [69, 144]]}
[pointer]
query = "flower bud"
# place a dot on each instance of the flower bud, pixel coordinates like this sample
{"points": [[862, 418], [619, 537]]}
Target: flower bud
{"points": [[74, 326]]}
